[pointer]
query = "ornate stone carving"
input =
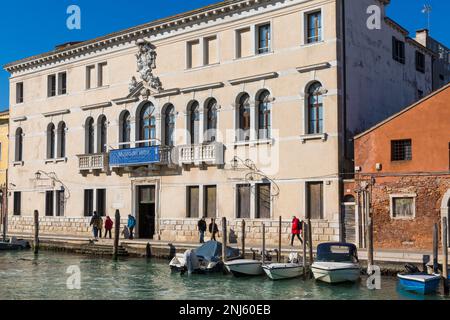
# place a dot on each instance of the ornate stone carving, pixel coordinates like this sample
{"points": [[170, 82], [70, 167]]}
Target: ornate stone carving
{"points": [[146, 62]]}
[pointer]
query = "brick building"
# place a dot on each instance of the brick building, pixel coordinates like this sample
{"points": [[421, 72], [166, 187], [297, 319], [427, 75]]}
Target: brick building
{"points": [[405, 161]]}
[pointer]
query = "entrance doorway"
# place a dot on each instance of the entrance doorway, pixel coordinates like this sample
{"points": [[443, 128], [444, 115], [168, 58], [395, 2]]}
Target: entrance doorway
{"points": [[349, 219], [147, 211]]}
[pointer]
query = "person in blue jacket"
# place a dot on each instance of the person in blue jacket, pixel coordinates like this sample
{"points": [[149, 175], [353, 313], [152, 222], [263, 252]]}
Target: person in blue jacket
{"points": [[131, 225]]}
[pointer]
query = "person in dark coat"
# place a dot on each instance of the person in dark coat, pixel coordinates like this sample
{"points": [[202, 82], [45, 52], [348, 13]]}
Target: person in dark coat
{"points": [[202, 229], [94, 224], [213, 229], [297, 227]]}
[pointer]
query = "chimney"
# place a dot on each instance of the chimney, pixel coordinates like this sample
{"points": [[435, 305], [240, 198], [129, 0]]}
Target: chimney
{"points": [[422, 36]]}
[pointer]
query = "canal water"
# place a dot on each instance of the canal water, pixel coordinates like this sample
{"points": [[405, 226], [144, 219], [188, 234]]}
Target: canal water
{"points": [[26, 276]]}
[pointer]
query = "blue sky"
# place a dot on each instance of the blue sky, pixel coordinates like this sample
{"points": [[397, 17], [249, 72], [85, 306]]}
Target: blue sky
{"points": [[30, 27]]}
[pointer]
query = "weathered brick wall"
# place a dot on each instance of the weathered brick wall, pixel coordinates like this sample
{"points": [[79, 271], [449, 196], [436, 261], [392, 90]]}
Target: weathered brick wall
{"points": [[409, 234]]}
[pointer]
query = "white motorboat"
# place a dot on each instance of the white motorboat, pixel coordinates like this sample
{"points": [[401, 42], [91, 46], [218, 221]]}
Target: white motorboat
{"points": [[280, 271], [336, 263], [244, 267]]}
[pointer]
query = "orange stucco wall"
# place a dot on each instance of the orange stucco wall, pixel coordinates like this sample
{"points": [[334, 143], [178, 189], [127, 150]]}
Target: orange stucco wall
{"points": [[427, 125]]}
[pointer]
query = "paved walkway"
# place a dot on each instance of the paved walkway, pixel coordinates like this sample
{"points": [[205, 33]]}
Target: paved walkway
{"points": [[390, 256]]}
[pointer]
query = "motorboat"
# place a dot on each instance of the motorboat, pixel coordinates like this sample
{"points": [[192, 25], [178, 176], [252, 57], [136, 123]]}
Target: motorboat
{"points": [[244, 267], [336, 263], [418, 282], [14, 244], [205, 259], [280, 271]]}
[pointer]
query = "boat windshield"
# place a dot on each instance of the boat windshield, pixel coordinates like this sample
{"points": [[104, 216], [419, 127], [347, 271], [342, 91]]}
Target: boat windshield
{"points": [[337, 253]]}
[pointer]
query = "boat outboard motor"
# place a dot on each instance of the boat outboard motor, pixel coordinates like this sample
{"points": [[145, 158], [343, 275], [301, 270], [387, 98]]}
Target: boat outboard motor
{"points": [[293, 257], [191, 259]]}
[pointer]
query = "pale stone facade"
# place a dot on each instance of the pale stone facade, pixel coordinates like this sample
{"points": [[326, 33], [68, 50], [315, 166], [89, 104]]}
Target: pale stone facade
{"points": [[221, 52]]}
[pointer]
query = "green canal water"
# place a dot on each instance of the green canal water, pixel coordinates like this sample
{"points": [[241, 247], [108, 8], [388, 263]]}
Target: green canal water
{"points": [[26, 276]]}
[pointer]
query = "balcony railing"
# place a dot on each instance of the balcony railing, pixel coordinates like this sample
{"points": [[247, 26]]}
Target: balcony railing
{"points": [[197, 154], [140, 156], [88, 162]]}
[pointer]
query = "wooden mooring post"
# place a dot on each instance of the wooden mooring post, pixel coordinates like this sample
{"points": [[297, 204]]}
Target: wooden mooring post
{"points": [[280, 230], [243, 238], [304, 227], [435, 249], [445, 252], [224, 237], [308, 235], [36, 232], [263, 254], [116, 235], [370, 241]]}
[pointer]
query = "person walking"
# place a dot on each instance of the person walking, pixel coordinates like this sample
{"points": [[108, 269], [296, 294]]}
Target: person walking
{"points": [[100, 226], [213, 229], [297, 228], [202, 229], [131, 225], [94, 225], [108, 227]]}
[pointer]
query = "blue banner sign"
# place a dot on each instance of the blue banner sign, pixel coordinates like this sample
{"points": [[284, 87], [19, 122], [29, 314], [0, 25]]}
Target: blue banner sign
{"points": [[134, 156]]}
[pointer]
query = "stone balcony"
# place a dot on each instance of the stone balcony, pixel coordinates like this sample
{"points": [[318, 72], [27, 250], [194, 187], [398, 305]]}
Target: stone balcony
{"points": [[150, 156], [199, 154], [91, 162]]}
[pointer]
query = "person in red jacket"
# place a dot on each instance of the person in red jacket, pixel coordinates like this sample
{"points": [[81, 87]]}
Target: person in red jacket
{"points": [[297, 227], [108, 226]]}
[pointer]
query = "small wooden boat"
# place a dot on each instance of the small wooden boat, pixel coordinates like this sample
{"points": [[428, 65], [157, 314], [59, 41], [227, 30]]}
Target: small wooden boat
{"points": [[280, 271], [244, 267], [420, 283], [14, 244]]}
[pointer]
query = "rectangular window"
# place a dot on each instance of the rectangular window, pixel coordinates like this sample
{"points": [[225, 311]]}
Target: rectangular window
{"points": [[401, 150], [244, 43], [17, 203], [49, 203], [263, 201], [314, 27], [88, 203], [60, 203], [19, 92], [90, 81], [101, 202], [51, 83], [193, 198], [398, 50], [420, 62], [62, 83], [193, 54], [263, 39], [314, 200], [210, 201], [243, 201], [102, 74], [210, 54], [403, 207]]}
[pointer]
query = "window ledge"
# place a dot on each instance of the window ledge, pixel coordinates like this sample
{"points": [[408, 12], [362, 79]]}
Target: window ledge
{"points": [[18, 163], [312, 44], [253, 142], [98, 88], [206, 66], [403, 218], [57, 160], [308, 137], [58, 96], [254, 56]]}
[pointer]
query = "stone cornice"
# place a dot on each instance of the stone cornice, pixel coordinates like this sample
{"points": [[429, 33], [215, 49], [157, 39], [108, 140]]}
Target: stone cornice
{"points": [[210, 12], [254, 78], [56, 113], [166, 93], [97, 106], [203, 87], [19, 119], [119, 101], [317, 66]]}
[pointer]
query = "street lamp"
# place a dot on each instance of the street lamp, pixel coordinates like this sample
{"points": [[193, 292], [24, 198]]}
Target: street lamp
{"points": [[38, 175]]}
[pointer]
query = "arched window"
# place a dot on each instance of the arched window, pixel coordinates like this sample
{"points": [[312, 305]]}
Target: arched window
{"points": [[194, 122], [51, 141], [169, 125], [211, 120], [61, 140], [315, 109], [19, 145], [102, 134], [244, 117], [264, 115], [89, 136], [125, 129], [147, 125]]}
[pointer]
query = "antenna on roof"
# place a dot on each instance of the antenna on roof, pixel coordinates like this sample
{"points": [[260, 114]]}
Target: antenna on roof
{"points": [[427, 9]]}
